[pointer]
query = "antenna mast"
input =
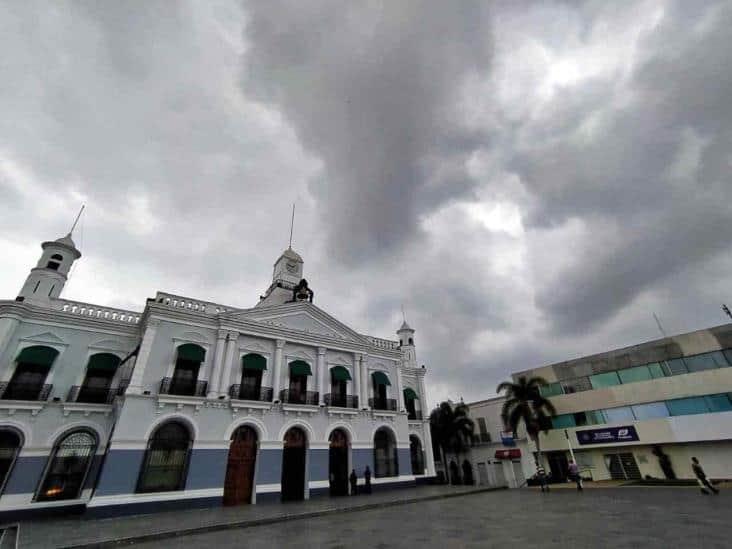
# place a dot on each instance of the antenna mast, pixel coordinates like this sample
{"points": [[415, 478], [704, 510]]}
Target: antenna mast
{"points": [[77, 218], [292, 224], [659, 325]]}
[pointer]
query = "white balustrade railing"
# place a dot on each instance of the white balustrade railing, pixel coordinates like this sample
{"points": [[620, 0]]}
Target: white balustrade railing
{"points": [[96, 311], [180, 302], [383, 343]]}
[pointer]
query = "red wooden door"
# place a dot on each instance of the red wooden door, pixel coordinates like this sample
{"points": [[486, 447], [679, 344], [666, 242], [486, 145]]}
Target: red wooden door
{"points": [[240, 468]]}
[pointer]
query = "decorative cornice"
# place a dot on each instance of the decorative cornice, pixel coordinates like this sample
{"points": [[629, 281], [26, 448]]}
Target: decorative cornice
{"points": [[27, 312]]}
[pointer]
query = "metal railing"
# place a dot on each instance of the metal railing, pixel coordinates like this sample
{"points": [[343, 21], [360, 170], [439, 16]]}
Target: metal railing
{"points": [[245, 392], [92, 395], [24, 391], [383, 404], [341, 401], [171, 386], [414, 414], [299, 397]]}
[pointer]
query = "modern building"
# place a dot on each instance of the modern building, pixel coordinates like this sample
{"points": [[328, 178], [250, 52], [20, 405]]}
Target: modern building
{"points": [[190, 403], [496, 456], [643, 410]]}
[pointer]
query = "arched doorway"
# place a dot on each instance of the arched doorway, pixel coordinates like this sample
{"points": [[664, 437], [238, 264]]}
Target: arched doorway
{"points": [[293, 465], [416, 454], [338, 463], [239, 482], [386, 463]]}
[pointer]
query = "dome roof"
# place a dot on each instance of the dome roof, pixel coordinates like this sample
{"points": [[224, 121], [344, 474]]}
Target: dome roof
{"points": [[66, 240], [292, 254], [406, 326]]}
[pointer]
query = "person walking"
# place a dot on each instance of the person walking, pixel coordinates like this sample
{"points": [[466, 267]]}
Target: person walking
{"points": [[354, 482], [574, 474], [541, 476], [701, 478], [367, 479]]}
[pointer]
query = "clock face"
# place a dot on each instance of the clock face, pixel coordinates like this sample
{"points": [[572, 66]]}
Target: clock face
{"points": [[291, 267]]}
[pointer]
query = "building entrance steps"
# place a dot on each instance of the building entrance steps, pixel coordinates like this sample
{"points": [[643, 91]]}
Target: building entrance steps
{"points": [[79, 532]]}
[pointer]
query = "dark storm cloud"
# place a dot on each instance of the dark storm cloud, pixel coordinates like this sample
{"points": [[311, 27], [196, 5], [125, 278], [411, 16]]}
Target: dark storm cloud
{"points": [[532, 181], [369, 88]]}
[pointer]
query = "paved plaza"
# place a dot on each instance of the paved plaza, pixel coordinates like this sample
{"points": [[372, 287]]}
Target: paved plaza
{"points": [[613, 518]]}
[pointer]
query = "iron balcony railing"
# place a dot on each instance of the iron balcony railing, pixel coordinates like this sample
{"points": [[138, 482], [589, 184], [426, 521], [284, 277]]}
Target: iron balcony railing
{"points": [[172, 386], [245, 392], [299, 397], [383, 404], [341, 401], [92, 395], [25, 391], [414, 414]]}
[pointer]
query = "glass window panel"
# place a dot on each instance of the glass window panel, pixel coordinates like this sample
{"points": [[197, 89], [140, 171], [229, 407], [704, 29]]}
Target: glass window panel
{"points": [[576, 385], [595, 417], [720, 361], [631, 375], [552, 389], [698, 363], [728, 355], [656, 370], [651, 410], [604, 380], [719, 403], [563, 421], [580, 419], [687, 406], [676, 366], [619, 415]]}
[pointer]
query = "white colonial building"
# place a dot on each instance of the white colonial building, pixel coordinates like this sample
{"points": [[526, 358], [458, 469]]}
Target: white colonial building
{"points": [[191, 403]]}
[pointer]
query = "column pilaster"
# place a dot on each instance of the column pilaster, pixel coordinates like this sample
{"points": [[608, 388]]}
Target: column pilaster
{"points": [[321, 375], [215, 377], [232, 339], [277, 374], [399, 388], [7, 328], [357, 382], [135, 386], [363, 359]]}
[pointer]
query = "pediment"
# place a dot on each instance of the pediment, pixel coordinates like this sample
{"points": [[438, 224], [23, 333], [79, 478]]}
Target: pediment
{"points": [[45, 337], [300, 317]]}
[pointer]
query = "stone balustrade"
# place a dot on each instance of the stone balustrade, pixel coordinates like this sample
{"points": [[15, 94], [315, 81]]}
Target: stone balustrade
{"points": [[180, 302], [383, 343], [96, 311]]}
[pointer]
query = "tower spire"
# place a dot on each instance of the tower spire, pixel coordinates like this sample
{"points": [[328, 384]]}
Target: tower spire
{"points": [[77, 219], [292, 225]]}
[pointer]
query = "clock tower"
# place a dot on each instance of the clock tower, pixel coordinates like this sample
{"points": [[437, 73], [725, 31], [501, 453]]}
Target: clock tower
{"points": [[286, 275]]}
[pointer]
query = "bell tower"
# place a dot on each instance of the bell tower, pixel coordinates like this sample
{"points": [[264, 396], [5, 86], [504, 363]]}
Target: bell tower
{"points": [[406, 343], [48, 277]]}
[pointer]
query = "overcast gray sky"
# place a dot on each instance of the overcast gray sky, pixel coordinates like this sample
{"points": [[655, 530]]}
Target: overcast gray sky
{"points": [[532, 180]]}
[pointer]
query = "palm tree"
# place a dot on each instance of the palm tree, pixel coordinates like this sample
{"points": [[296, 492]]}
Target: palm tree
{"points": [[524, 403], [452, 430]]}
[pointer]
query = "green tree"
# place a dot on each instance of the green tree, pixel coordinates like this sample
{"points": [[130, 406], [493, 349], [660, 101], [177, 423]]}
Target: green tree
{"points": [[452, 430], [524, 404]]}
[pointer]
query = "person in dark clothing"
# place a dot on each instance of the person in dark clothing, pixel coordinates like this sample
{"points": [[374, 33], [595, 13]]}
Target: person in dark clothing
{"points": [[541, 477], [454, 472], [701, 478], [354, 482], [367, 479]]}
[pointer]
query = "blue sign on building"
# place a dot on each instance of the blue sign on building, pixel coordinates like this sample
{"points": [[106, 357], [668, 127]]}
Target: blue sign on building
{"points": [[607, 435]]}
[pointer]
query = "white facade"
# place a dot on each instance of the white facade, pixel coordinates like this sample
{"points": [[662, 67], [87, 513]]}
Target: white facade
{"points": [[292, 340]]}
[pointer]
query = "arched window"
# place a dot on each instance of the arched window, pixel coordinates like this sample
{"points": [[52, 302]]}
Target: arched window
{"points": [[165, 465], [10, 443], [99, 374], [55, 262], [410, 399], [252, 368], [68, 467], [339, 378], [386, 463], [380, 401], [185, 376], [411, 341], [416, 454], [32, 366]]}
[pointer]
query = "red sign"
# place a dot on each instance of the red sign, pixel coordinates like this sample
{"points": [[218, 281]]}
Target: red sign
{"points": [[512, 453]]}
